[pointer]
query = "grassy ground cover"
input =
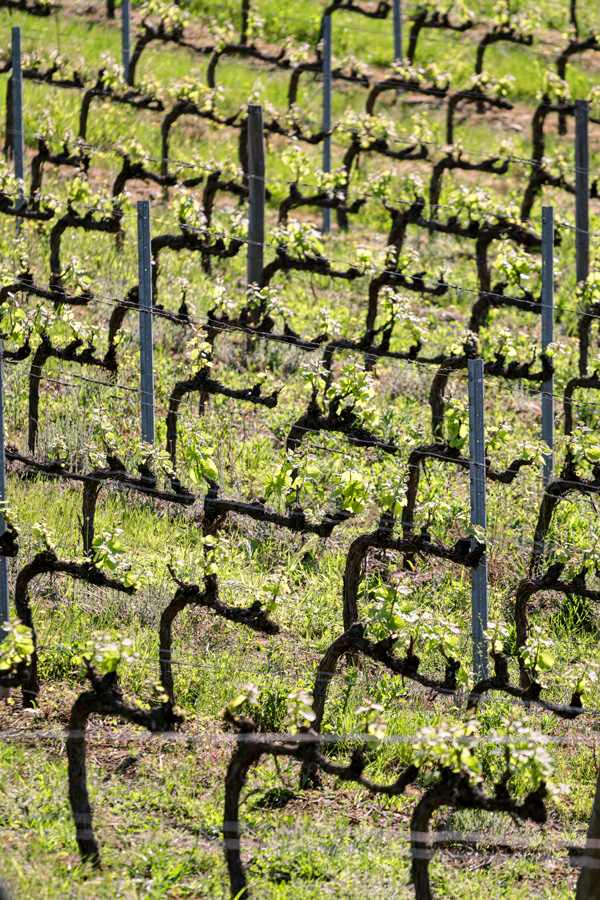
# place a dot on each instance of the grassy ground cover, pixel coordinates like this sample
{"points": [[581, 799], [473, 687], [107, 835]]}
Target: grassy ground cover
{"points": [[158, 804]]}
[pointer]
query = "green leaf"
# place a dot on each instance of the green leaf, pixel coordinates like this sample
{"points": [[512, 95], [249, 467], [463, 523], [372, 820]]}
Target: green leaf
{"points": [[209, 469], [110, 661], [131, 580], [545, 661]]}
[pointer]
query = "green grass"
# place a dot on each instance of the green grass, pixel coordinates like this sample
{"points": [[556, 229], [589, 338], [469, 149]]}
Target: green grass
{"points": [[158, 820]]}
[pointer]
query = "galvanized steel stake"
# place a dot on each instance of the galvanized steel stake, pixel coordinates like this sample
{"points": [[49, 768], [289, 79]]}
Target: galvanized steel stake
{"points": [[479, 576], [126, 37], [256, 195], [4, 598], [146, 343], [327, 109], [582, 190], [398, 31], [548, 336], [17, 102]]}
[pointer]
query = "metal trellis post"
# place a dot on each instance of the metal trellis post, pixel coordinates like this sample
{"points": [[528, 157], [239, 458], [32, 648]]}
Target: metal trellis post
{"points": [[479, 575], [398, 31], [146, 343], [582, 190], [548, 336], [256, 195], [327, 109], [4, 598], [17, 101], [126, 37]]}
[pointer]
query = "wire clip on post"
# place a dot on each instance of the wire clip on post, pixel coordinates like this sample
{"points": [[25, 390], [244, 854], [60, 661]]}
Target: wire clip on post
{"points": [[479, 574], [17, 101], [548, 336], [126, 38], [256, 195], [146, 343], [327, 110], [582, 189], [398, 31]]}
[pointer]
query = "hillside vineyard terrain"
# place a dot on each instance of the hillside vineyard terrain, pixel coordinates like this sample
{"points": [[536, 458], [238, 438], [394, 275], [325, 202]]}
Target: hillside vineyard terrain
{"points": [[300, 450]]}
